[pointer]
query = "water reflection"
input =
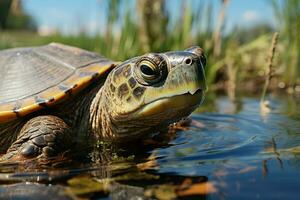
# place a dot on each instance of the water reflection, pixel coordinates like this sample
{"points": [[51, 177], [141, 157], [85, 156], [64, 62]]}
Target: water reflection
{"points": [[240, 148], [228, 151]]}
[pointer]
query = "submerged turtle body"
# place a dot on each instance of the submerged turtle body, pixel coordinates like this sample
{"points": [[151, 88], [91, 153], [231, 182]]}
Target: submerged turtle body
{"points": [[54, 95]]}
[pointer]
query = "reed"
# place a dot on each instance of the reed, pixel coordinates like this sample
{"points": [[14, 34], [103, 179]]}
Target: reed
{"points": [[269, 73], [151, 27], [217, 37], [287, 15]]}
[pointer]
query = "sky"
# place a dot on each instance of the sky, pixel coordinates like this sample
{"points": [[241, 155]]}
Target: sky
{"points": [[69, 16]]}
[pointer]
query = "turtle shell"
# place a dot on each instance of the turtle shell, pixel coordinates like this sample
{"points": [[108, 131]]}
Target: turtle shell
{"points": [[34, 77]]}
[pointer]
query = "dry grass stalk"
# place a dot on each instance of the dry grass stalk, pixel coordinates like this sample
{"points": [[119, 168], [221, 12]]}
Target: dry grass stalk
{"points": [[144, 40], [231, 83], [217, 33], [264, 105]]}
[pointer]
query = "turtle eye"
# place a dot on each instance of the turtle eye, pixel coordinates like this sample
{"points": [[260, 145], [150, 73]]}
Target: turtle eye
{"points": [[149, 71]]}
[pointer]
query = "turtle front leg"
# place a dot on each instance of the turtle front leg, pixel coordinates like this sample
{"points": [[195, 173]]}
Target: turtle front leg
{"points": [[41, 137]]}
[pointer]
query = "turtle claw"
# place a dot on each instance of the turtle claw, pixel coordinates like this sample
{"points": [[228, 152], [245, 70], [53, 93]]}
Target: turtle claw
{"points": [[29, 151]]}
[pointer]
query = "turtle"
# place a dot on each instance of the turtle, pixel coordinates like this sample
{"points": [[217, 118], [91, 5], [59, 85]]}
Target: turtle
{"points": [[55, 97]]}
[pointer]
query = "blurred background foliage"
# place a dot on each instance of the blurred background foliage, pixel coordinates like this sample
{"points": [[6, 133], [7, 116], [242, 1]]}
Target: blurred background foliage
{"points": [[13, 17], [237, 60]]}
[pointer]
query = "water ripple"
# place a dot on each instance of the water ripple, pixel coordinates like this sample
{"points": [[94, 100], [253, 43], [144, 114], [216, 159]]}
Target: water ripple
{"points": [[223, 137]]}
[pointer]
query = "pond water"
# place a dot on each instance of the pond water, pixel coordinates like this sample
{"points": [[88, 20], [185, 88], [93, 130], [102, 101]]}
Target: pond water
{"points": [[228, 151]]}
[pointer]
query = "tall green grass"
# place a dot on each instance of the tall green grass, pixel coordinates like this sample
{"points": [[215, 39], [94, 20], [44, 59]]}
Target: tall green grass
{"points": [[287, 14], [149, 27]]}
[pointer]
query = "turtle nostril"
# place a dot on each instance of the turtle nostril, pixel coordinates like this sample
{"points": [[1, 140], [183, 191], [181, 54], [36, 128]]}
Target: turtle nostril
{"points": [[188, 61]]}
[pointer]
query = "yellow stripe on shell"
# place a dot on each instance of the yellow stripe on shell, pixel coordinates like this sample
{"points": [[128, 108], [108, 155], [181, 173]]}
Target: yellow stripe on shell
{"points": [[54, 94], [6, 112]]}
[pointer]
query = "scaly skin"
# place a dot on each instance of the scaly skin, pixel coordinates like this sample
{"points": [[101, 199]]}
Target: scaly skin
{"points": [[139, 97], [51, 131], [43, 136]]}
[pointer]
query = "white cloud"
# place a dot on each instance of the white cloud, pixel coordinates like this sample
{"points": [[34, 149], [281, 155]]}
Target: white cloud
{"points": [[250, 16]]}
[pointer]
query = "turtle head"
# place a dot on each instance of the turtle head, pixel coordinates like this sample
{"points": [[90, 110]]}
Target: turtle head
{"points": [[154, 90]]}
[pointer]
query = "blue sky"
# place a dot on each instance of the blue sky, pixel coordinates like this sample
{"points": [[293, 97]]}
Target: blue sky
{"points": [[69, 16]]}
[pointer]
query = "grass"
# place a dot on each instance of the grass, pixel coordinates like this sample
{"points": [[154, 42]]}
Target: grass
{"points": [[287, 14], [231, 59], [269, 73]]}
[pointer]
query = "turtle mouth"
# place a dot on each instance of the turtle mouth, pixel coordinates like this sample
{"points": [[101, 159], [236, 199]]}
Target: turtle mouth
{"points": [[186, 101]]}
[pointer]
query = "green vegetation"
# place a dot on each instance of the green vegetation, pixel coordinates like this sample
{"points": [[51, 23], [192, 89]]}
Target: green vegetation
{"points": [[12, 16], [237, 57], [287, 14]]}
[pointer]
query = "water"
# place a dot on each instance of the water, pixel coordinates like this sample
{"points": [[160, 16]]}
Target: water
{"points": [[229, 151], [247, 155]]}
